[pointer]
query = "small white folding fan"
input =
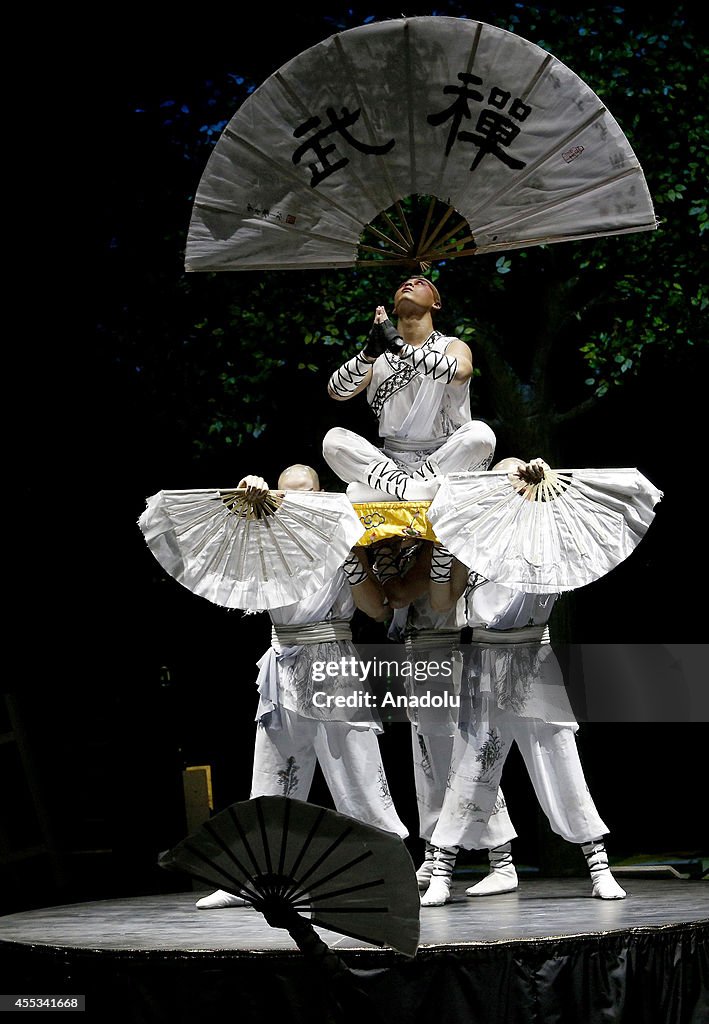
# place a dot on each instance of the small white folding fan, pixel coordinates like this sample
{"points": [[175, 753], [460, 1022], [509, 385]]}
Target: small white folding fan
{"points": [[562, 533], [251, 553]]}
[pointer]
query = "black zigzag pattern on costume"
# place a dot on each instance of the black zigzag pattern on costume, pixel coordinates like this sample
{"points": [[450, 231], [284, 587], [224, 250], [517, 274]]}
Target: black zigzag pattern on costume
{"points": [[356, 573], [427, 361], [387, 477], [349, 376], [403, 373], [441, 564]]}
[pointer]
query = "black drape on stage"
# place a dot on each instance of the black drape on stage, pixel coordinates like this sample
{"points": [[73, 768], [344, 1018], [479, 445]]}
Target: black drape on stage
{"points": [[641, 976]]}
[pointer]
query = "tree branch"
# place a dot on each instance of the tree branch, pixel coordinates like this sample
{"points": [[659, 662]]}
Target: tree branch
{"points": [[577, 410], [498, 365]]}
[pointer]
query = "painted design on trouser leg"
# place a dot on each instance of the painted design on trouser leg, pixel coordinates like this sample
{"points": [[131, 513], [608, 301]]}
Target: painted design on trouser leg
{"points": [[489, 755], [383, 784], [471, 808], [288, 777], [425, 762]]}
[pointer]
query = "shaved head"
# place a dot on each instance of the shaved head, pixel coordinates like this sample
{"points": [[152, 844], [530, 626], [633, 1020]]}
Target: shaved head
{"points": [[508, 465], [299, 478]]}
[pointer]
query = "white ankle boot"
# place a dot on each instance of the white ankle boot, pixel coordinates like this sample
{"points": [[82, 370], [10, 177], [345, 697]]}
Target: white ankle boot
{"points": [[219, 899], [605, 886], [439, 888], [502, 876], [424, 872]]}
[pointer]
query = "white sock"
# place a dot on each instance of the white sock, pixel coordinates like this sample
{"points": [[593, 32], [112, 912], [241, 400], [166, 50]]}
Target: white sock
{"points": [[605, 886], [502, 876]]}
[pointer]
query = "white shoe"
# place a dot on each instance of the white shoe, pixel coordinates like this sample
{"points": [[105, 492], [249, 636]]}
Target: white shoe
{"points": [[439, 888], [498, 880], [438, 892], [605, 887], [219, 899], [422, 490], [361, 492]]}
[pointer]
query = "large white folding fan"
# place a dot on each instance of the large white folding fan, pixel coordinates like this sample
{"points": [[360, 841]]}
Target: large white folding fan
{"points": [[495, 141], [564, 532], [255, 553]]}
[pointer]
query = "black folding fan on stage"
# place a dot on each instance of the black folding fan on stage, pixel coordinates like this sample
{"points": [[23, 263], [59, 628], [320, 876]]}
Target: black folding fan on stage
{"points": [[302, 865]]}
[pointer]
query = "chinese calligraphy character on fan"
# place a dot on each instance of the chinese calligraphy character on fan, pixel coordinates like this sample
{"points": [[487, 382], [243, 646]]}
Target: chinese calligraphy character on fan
{"points": [[323, 154], [496, 128]]}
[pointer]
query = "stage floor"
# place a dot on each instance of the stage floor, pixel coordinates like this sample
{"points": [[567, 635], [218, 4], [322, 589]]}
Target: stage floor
{"points": [[546, 909]]}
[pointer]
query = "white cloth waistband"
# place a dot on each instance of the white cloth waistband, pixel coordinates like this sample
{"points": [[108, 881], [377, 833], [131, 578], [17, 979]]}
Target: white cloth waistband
{"points": [[395, 444], [307, 633], [521, 635], [429, 638]]}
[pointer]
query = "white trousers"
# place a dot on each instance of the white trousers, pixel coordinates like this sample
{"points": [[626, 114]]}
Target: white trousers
{"points": [[552, 760], [350, 760], [432, 761], [350, 455]]}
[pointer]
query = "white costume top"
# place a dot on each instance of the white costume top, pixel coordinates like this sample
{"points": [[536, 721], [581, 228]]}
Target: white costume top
{"points": [[522, 676], [333, 601], [413, 407], [286, 674], [498, 607]]}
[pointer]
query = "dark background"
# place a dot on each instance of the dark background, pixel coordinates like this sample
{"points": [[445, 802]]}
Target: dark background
{"points": [[121, 678]]}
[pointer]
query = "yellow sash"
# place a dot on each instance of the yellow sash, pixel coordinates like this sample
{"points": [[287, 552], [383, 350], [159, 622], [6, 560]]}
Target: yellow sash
{"points": [[382, 520]]}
